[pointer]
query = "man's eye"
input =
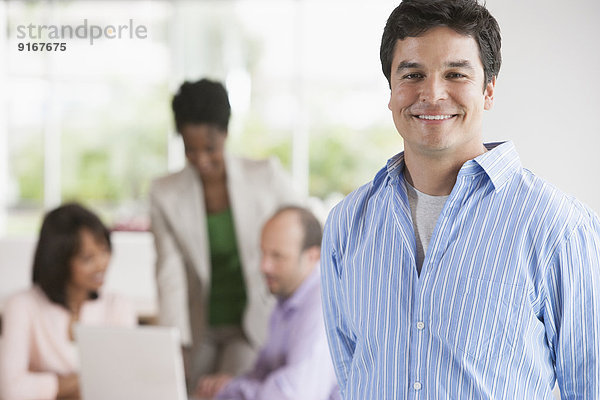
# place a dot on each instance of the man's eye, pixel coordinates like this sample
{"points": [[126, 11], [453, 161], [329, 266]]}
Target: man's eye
{"points": [[456, 75], [412, 76]]}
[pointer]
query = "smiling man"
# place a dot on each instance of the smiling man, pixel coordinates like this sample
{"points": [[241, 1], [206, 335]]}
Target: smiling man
{"points": [[456, 273]]}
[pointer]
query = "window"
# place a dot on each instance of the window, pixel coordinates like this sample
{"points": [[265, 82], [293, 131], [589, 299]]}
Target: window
{"points": [[93, 123]]}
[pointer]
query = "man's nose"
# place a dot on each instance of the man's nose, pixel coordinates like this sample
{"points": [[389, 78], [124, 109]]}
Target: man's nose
{"points": [[265, 265], [433, 89]]}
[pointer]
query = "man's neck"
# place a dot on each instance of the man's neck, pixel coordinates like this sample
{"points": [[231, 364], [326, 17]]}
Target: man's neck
{"points": [[435, 175], [308, 272]]}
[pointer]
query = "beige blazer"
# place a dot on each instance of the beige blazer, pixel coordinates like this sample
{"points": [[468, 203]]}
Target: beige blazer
{"points": [[178, 217]]}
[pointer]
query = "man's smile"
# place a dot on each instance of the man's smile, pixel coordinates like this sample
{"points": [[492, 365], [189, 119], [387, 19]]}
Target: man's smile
{"points": [[436, 117]]}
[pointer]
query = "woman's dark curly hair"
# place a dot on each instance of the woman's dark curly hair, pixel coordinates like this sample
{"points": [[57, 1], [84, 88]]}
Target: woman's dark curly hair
{"points": [[202, 102]]}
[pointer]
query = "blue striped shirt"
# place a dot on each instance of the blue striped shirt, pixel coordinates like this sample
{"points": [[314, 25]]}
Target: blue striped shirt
{"points": [[507, 302]]}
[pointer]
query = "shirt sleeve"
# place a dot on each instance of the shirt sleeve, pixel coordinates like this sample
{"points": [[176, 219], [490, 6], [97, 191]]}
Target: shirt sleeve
{"points": [[341, 342], [246, 386], [572, 312], [307, 373], [16, 381]]}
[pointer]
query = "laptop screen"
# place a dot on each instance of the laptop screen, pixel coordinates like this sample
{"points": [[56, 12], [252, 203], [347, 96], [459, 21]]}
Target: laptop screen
{"points": [[120, 363]]}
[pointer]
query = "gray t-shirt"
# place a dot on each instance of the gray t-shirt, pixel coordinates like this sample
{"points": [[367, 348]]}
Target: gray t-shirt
{"points": [[424, 210]]}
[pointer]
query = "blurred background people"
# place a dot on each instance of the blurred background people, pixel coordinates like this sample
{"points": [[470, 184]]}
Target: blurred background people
{"points": [[38, 357], [206, 222], [295, 363]]}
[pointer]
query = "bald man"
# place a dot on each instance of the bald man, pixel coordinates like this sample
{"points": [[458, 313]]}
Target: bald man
{"points": [[295, 363]]}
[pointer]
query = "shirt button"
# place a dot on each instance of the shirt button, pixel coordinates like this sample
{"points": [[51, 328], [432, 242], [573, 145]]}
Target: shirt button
{"points": [[420, 325], [417, 386]]}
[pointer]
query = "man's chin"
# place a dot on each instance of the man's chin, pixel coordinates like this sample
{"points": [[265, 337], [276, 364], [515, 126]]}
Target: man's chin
{"points": [[273, 289]]}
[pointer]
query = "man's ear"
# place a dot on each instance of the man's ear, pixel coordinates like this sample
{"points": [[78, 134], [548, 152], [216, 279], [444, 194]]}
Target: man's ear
{"points": [[313, 254], [489, 94]]}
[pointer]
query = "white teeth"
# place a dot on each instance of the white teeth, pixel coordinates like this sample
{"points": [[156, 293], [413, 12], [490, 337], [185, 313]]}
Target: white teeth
{"points": [[435, 117]]}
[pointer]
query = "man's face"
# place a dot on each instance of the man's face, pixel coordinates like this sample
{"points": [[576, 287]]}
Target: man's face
{"points": [[283, 264], [437, 93]]}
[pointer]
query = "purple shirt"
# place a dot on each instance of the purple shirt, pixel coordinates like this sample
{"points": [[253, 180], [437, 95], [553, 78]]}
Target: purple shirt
{"points": [[295, 363]]}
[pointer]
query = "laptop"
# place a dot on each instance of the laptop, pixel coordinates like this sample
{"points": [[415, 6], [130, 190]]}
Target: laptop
{"points": [[119, 363]]}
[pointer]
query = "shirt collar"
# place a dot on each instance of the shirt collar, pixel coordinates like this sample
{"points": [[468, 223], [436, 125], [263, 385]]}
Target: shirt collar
{"points": [[395, 165], [499, 163], [298, 297]]}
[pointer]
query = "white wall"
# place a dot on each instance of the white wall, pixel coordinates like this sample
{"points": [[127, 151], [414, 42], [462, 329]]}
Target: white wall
{"points": [[548, 92]]}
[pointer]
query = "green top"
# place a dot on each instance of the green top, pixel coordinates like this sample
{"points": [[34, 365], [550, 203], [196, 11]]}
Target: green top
{"points": [[227, 290]]}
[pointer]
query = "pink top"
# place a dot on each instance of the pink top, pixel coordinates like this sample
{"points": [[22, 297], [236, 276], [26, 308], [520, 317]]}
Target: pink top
{"points": [[35, 344]]}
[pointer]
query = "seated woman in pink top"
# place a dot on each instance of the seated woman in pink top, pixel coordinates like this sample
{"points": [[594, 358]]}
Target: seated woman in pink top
{"points": [[38, 357]]}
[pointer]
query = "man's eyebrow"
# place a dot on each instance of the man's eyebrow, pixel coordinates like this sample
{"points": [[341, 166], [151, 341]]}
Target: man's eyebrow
{"points": [[404, 65], [408, 65], [460, 64]]}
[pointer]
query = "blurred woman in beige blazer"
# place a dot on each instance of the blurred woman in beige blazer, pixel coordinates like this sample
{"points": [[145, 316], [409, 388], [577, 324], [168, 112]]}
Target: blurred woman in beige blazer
{"points": [[206, 221]]}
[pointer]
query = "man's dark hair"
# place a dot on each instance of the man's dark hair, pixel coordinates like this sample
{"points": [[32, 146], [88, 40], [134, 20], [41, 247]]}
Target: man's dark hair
{"points": [[313, 232], [201, 102], [58, 243], [413, 18]]}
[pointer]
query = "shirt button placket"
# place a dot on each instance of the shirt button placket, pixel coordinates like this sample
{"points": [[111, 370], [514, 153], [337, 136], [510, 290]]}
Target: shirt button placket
{"points": [[420, 326]]}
